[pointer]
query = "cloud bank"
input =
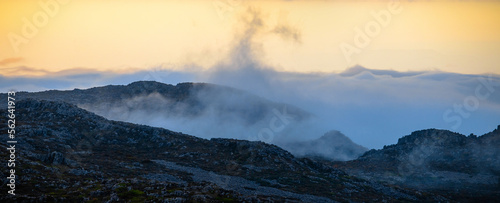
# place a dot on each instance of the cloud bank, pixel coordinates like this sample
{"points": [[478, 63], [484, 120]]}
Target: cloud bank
{"points": [[372, 107]]}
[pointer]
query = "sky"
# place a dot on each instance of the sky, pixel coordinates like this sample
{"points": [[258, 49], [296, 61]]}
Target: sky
{"points": [[299, 36], [374, 70]]}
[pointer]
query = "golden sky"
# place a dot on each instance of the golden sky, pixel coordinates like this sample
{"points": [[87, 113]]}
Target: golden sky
{"points": [[305, 36]]}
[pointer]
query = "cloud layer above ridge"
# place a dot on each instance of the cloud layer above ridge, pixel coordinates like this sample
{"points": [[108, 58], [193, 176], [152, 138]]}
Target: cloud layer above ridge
{"points": [[372, 107]]}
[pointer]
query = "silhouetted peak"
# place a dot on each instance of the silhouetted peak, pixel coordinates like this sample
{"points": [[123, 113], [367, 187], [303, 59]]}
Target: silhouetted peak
{"points": [[357, 69], [334, 137], [365, 73], [332, 145]]}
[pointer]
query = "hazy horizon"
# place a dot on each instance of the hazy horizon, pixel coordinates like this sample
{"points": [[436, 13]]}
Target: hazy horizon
{"points": [[375, 71]]}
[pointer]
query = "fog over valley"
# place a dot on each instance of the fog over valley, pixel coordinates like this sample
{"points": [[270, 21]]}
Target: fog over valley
{"points": [[250, 101]]}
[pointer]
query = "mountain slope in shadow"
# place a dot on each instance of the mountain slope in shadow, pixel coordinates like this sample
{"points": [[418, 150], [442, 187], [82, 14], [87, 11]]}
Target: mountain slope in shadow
{"points": [[204, 110], [69, 154], [436, 160]]}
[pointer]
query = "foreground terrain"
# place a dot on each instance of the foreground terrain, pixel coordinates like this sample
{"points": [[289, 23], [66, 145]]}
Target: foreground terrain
{"points": [[67, 153], [438, 161], [74, 146]]}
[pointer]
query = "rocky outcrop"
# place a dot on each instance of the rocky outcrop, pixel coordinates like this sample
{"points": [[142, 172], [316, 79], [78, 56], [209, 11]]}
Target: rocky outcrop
{"points": [[436, 160]]}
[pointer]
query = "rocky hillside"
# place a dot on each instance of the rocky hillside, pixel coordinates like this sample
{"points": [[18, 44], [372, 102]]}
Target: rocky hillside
{"points": [[189, 100], [436, 160], [66, 153], [203, 110], [333, 146]]}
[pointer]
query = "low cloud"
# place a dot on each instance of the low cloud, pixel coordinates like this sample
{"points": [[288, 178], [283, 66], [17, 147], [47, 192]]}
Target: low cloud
{"points": [[372, 107], [7, 61]]}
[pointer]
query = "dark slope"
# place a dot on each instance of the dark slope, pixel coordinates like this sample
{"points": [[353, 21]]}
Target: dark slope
{"points": [[70, 154], [189, 100], [436, 160]]}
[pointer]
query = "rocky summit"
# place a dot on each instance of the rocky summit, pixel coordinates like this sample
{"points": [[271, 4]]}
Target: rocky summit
{"points": [[466, 168], [333, 146]]}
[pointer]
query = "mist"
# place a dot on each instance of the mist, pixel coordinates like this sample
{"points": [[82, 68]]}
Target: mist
{"points": [[372, 107]]}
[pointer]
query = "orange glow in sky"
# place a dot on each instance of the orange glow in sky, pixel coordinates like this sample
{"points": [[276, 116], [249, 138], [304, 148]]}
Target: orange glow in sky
{"points": [[43, 36]]}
